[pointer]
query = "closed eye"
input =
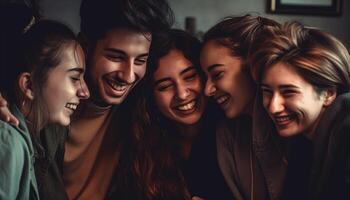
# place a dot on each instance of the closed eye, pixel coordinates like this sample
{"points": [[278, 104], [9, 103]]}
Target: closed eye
{"points": [[115, 58], [266, 91], [191, 77], [140, 61], [75, 79], [163, 87], [217, 75], [289, 93]]}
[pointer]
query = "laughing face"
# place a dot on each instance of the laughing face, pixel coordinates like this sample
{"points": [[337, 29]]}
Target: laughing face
{"points": [[117, 64], [178, 89], [65, 85], [293, 104], [227, 82]]}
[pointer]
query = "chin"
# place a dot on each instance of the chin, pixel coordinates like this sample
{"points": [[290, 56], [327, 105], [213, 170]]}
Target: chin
{"points": [[231, 114], [114, 100], [191, 121], [287, 133], [63, 121]]}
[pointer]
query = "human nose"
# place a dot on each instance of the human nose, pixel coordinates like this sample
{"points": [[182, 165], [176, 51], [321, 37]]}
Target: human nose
{"points": [[182, 92], [210, 88], [276, 104], [83, 91], [127, 72]]}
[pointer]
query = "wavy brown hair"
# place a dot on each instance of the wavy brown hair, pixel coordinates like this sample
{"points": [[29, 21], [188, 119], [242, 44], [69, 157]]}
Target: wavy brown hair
{"points": [[242, 34]]}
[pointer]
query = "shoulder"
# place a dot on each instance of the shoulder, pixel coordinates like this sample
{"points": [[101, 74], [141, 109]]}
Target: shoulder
{"points": [[10, 136], [12, 144]]}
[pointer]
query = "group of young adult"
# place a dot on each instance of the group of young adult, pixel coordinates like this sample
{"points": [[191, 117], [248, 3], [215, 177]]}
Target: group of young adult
{"points": [[256, 110]]}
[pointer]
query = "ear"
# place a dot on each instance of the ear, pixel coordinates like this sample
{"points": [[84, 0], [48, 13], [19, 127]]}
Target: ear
{"points": [[25, 85], [329, 96]]}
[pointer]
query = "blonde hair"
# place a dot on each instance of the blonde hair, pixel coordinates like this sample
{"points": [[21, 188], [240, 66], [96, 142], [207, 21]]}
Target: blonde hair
{"points": [[318, 57]]}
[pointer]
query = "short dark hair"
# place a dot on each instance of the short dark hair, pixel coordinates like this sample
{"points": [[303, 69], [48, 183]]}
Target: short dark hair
{"points": [[100, 16]]}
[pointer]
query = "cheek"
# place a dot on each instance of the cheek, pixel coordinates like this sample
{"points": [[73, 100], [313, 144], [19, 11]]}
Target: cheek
{"points": [[197, 86], [312, 112], [265, 101], [100, 66], [162, 100], [140, 71]]}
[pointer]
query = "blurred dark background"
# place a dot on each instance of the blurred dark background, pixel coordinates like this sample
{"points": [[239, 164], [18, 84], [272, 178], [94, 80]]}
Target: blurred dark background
{"points": [[205, 13]]}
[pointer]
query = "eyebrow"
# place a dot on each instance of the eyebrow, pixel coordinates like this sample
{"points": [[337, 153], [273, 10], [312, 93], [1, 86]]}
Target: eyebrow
{"points": [[76, 69], [190, 68], [112, 50], [285, 86], [212, 67]]}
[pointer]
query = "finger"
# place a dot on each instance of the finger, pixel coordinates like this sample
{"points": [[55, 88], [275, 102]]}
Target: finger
{"points": [[3, 102], [6, 116], [13, 120]]}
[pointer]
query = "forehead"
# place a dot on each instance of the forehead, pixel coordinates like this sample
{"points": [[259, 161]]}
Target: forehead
{"points": [[282, 73], [213, 52], [72, 53], [172, 64], [127, 40]]}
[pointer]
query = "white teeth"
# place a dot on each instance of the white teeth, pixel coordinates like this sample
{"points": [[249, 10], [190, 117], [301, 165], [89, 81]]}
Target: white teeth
{"points": [[221, 99], [117, 86], [282, 119], [188, 106], [72, 106]]}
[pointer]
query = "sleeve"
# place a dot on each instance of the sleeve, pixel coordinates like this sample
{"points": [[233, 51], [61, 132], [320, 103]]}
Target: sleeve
{"points": [[12, 158]]}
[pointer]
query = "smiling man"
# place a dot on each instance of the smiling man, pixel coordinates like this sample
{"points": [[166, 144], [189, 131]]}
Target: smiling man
{"points": [[117, 41]]}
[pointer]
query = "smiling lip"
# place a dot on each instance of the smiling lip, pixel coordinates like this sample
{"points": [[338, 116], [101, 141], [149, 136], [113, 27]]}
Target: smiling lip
{"points": [[71, 106], [284, 120], [187, 108], [116, 88], [222, 99]]}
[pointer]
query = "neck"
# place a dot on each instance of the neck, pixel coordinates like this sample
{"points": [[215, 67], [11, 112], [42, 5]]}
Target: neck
{"points": [[188, 134], [311, 132], [98, 102], [26, 110]]}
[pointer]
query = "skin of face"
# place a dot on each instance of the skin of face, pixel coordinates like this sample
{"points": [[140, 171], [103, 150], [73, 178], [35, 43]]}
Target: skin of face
{"points": [[227, 82], [292, 103], [178, 91], [117, 64], [65, 85]]}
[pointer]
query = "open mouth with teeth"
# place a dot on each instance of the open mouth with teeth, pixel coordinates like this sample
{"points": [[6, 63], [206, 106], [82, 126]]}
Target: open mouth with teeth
{"points": [[187, 108], [116, 85], [284, 120], [72, 106], [223, 99]]}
